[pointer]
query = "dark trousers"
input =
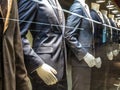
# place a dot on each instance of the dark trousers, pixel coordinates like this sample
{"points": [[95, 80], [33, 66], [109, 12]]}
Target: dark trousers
{"points": [[81, 78], [81, 75], [38, 84], [99, 77]]}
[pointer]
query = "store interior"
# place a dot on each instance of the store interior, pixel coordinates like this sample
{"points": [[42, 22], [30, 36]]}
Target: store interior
{"points": [[111, 69], [109, 75]]}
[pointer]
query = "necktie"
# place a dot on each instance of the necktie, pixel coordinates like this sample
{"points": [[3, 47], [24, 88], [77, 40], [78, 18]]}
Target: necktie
{"points": [[104, 35], [104, 32]]}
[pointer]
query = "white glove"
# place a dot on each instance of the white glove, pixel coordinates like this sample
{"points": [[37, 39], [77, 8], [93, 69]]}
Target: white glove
{"points": [[90, 60], [46, 73], [115, 52], [110, 55], [98, 62]]}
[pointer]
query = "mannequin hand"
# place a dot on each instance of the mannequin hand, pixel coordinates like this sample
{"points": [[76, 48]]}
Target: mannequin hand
{"points": [[115, 52], [98, 62], [89, 59], [110, 55], [46, 73]]}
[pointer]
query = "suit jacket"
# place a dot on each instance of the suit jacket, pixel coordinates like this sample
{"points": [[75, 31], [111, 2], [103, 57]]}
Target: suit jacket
{"points": [[101, 30], [118, 36], [109, 47], [98, 28], [47, 31], [14, 75], [114, 31], [114, 34], [80, 41], [108, 29]]}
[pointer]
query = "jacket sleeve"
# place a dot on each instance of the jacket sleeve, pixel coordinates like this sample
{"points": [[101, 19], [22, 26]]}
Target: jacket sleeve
{"points": [[27, 10], [71, 34]]}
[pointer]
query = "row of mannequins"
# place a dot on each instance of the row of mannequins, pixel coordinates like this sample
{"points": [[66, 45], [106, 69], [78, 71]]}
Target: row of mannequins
{"points": [[109, 35], [109, 45], [106, 45], [77, 58]]}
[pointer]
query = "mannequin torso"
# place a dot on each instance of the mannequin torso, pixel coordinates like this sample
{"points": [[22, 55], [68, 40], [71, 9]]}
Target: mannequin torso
{"points": [[96, 7]]}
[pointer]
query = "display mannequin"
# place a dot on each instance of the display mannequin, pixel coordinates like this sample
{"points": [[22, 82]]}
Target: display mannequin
{"points": [[45, 60], [109, 50], [105, 13], [118, 26], [114, 35], [111, 16], [118, 23], [97, 82], [80, 45], [96, 7], [119, 34]]}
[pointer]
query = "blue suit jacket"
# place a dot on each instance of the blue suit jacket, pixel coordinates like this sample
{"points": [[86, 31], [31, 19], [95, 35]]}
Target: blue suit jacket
{"points": [[114, 31], [79, 40], [98, 28], [48, 40]]}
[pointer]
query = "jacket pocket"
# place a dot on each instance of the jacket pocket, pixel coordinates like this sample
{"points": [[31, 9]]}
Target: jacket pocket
{"points": [[45, 53], [45, 49]]}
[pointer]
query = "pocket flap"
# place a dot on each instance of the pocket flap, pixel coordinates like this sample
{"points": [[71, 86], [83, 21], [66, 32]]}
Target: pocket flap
{"points": [[45, 49]]}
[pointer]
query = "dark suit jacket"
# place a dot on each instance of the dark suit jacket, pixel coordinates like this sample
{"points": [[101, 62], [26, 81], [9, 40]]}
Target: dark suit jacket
{"points": [[98, 28], [114, 34], [114, 31], [80, 41], [108, 35], [14, 75], [118, 36], [108, 29], [106, 46], [48, 40]]}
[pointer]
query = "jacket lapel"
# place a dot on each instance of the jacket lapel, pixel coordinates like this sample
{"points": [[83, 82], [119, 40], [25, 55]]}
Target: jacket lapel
{"points": [[100, 20], [54, 7], [88, 16], [55, 10], [5, 11]]}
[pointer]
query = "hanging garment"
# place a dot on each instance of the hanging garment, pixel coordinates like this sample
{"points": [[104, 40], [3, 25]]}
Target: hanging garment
{"points": [[48, 40], [79, 41], [14, 74]]}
